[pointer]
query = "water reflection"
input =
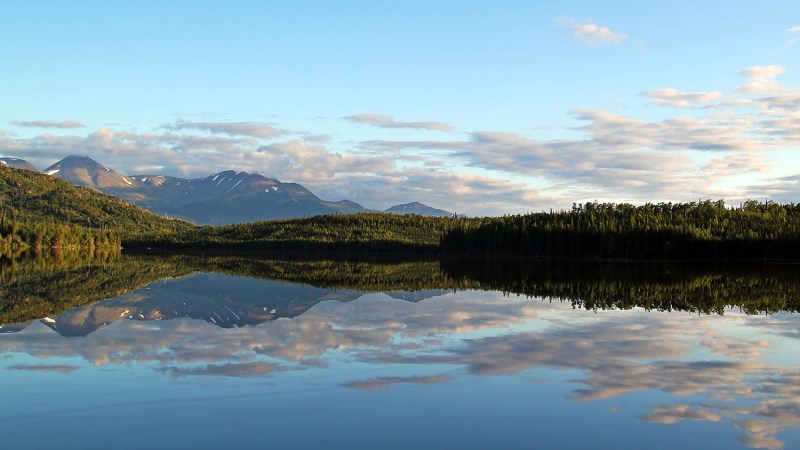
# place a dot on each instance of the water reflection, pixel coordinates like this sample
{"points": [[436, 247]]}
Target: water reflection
{"points": [[661, 368], [34, 288]]}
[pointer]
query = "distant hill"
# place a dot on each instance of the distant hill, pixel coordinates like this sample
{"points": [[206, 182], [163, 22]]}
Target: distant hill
{"points": [[221, 198], [17, 163], [420, 209]]}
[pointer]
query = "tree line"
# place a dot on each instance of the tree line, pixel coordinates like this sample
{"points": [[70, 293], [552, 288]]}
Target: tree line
{"points": [[365, 233], [696, 230], [16, 236]]}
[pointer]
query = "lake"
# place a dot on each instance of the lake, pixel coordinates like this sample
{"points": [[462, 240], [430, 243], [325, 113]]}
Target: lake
{"points": [[237, 352]]}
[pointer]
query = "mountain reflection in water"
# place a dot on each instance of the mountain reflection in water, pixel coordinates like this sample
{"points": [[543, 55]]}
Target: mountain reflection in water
{"points": [[582, 344]]}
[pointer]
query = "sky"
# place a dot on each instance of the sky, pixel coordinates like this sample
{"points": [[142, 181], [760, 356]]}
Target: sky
{"points": [[481, 108]]}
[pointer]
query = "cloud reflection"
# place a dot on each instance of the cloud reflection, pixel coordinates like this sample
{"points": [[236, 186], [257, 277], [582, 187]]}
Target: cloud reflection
{"points": [[378, 383], [710, 365], [61, 368], [251, 369]]}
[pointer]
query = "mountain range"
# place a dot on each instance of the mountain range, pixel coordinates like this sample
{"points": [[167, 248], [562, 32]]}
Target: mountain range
{"points": [[219, 199]]}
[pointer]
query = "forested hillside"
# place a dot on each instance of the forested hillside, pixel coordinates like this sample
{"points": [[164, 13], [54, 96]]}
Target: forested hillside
{"points": [[363, 233], [37, 210]]}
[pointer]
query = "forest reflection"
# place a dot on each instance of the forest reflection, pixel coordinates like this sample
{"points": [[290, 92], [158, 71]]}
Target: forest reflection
{"points": [[43, 284]]}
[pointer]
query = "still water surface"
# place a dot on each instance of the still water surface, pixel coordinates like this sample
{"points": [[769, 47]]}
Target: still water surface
{"points": [[256, 354]]}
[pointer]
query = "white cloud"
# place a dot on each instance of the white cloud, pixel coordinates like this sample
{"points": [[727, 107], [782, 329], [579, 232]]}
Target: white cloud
{"points": [[760, 79], [793, 40], [49, 124], [676, 133], [252, 129], [589, 33], [312, 162], [385, 121], [675, 98], [618, 158], [782, 189], [735, 164]]}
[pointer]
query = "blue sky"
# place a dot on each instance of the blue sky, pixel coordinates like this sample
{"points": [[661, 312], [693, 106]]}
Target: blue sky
{"points": [[483, 107]]}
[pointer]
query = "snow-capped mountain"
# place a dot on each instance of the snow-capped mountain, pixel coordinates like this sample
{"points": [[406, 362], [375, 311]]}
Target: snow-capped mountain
{"points": [[220, 198], [228, 197], [87, 172]]}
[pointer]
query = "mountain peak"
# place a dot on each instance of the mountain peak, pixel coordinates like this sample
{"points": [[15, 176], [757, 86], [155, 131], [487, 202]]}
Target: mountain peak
{"points": [[79, 161], [78, 158], [85, 171], [74, 161]]}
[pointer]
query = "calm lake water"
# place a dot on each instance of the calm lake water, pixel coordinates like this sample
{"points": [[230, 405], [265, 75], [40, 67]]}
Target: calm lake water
{"points": [[244, 353]]}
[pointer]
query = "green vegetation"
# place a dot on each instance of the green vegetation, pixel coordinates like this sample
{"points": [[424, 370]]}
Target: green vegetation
{"points": [[704, 230], [351, 233], [40, 211]]}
